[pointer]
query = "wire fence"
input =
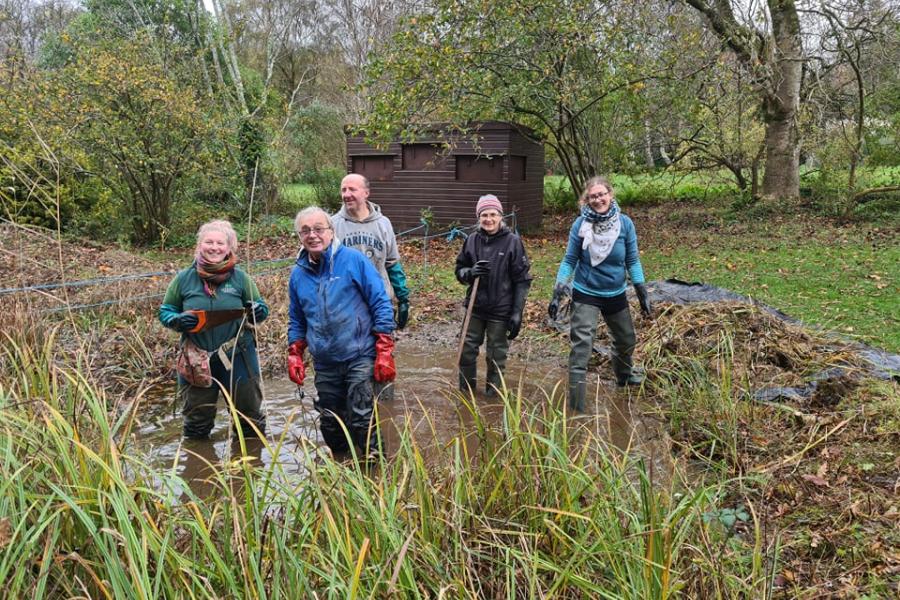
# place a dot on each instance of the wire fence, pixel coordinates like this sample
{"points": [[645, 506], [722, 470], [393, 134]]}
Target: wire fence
{"points": [[402, 237]]}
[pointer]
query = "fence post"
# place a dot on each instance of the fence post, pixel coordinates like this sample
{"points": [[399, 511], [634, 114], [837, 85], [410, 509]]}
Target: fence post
{"points": [[426, 240]]}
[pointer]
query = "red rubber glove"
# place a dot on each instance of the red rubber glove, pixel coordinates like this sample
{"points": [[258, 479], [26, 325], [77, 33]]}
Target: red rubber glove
{"points": [[296, 370], [385, 370]]}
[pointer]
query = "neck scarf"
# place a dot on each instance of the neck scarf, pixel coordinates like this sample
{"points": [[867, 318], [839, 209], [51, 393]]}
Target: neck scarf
{"points": [[213, 274], [599, 231]]}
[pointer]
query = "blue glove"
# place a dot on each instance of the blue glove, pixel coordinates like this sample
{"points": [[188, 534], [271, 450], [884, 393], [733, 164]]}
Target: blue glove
{"points": [[184, 322]]}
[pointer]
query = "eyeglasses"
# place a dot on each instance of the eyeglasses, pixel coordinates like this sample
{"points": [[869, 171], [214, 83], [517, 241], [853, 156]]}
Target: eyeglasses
{"points": [[318, 230], [598, 196]]}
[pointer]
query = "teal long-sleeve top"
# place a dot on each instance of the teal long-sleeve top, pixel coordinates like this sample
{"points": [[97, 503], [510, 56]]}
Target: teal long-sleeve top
{"points": [[609, 277]]}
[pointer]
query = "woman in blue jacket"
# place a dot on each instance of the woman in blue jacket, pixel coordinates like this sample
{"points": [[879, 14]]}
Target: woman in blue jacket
{"points": [[602, 249]]}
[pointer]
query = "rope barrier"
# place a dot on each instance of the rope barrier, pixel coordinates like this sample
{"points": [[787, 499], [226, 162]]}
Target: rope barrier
{"points": [[104, 303], [450, 235], [108, 280]]}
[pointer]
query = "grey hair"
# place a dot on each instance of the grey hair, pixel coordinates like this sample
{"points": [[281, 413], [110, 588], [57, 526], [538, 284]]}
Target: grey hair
{"points": [[309, 211], [222, 226]]}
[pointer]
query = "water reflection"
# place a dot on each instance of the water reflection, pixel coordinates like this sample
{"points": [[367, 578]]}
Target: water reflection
{"points": [[425, 403]]}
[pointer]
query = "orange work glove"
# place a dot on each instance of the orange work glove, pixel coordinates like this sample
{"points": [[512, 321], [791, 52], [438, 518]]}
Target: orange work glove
{"points": [[296, 370], [385, 370]]}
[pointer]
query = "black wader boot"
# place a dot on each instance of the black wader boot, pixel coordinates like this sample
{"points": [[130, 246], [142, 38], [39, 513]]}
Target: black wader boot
{"points": [[495, 352]]}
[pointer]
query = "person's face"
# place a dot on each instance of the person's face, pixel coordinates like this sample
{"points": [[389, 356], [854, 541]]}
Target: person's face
{"points": [[315, 234], [490, 220], [214, 246], [599, 198], [354, 193]]}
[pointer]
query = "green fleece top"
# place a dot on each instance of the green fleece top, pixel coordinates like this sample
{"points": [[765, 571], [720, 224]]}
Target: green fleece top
{"points": [[186, 293]]}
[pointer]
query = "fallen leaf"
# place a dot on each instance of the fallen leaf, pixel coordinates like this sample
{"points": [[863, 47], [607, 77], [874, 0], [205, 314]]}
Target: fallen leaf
{"points": [[815, 479], [5, 532]]}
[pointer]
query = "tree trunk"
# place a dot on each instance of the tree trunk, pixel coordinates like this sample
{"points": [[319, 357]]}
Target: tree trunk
{"points": [[648, 146], [782, 167], [777, 57], [781, 103]]}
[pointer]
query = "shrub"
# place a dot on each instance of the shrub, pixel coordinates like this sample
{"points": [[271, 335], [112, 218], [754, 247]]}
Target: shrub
{"points": [[326, 185], [558, 195]]}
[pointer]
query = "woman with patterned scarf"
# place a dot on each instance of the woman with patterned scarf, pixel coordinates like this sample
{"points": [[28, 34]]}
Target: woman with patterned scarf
{"points": [[213, 283], [602, 249]]}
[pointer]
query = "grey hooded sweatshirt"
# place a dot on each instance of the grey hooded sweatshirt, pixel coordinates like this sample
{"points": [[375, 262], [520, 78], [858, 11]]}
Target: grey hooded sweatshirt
{"points": [[373, 236]]}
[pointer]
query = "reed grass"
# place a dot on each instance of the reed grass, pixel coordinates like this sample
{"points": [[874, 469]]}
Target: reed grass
{"points": [[538, 506]]}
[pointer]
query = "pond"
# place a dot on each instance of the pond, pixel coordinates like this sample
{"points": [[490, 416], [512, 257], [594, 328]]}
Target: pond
{"points": [[426, 402]]}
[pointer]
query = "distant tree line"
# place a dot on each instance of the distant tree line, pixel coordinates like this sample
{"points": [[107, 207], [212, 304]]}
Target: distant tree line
{"points": [[121, 117]]}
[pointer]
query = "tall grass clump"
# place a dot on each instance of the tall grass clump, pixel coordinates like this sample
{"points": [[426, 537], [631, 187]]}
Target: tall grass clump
{"points": [[700, 396], [537, 506]]}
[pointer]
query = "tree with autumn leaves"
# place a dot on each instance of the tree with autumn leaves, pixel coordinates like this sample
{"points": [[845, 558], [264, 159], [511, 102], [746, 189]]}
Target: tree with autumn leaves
{"points": [[560, 68]]}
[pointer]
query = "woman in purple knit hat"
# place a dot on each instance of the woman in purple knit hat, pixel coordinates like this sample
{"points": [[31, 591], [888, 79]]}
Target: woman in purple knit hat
{"points": [[495, 256]]}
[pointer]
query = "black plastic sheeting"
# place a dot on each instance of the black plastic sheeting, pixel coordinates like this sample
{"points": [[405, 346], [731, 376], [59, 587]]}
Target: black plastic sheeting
{"points": [[883, 365], [682, 292]]}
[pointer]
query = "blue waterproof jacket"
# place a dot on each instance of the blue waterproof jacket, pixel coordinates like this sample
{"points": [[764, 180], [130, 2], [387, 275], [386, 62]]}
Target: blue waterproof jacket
{"points": [[337, 305], [608, 278]]}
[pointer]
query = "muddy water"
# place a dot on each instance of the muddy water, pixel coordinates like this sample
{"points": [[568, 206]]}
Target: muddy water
{"points": [[425, 400]]}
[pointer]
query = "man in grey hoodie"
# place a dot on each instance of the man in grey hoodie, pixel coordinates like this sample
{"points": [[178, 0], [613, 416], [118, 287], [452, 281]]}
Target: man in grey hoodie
{"points": [[361, 225]]}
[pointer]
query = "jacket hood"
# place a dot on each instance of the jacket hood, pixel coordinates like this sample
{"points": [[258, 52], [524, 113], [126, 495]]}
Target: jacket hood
{"points": [[327, 256], [374, 213]]}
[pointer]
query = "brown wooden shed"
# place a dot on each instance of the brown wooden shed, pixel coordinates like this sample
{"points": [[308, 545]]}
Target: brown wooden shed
{"points": [[497, 159]]}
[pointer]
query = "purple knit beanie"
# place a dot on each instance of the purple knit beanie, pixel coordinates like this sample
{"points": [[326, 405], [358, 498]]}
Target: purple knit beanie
{"points": [[488, 201]]}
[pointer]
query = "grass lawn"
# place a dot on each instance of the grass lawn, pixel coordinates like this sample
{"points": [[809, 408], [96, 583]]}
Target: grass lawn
{"points": [[298, 195], [841, 278]]}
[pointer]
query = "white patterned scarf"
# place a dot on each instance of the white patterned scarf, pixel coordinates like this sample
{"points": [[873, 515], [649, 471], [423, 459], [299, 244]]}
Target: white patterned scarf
{"points": [[599, 232]]}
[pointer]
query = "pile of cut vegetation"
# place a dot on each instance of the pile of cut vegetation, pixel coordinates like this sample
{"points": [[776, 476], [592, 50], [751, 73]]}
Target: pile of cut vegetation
{"points": [[759, 348], [802, 424]]}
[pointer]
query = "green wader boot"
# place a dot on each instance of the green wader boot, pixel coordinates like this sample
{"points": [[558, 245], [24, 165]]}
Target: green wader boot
{"points": [[582, 329], [621, 329]]}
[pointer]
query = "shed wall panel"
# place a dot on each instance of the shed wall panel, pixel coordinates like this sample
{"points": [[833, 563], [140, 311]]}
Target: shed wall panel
{"points": [[408, 192]]}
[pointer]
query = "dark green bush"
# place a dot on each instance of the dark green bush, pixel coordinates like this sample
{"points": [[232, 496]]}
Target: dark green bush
{"points": [[558, 195], [327, 186]]}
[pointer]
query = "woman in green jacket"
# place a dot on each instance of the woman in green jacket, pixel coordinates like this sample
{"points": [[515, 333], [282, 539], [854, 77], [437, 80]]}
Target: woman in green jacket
{"points": [[214, 304]]}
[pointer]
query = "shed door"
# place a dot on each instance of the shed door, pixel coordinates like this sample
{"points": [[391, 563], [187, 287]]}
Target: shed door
{"points": [[479, 168], [375, 168]]}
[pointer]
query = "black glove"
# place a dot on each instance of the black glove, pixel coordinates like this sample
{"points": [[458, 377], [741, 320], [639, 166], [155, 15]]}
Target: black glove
{"points": [[481, 268], [515, 320], [257, 311], [513, 326], [560, 292], [184, 322], [644, 301], [402, 313], [468, 274]]}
